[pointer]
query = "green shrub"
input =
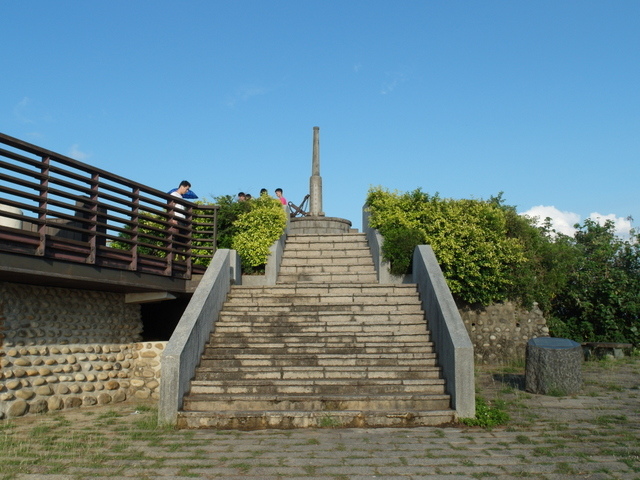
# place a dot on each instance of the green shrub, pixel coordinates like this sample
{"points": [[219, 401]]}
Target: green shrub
{"points": [[469, 238], [257, 229], [398, 247], [229, 212]]}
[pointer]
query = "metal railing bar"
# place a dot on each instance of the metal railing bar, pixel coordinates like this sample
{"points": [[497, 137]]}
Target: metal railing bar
{"points": [[21, 158]]}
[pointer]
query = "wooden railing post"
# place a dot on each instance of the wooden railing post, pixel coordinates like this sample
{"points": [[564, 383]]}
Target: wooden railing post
{"points": [[93, 219], [135, 229], [42, 206]]}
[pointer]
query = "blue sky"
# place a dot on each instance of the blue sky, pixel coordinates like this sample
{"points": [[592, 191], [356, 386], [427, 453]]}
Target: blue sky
{"points": [[539, 100]]}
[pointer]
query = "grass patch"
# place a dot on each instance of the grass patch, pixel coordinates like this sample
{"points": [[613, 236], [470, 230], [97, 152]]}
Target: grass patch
{"points": [[488, 414], [329, 422], [524, 440], [243, 467], [611, 419], [564, 468], [543, 452]]}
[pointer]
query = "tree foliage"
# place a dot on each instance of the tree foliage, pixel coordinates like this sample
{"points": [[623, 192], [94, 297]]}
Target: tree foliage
{"points": [[228, 214], [469, 238], [588, 286], [154, 236], [249, 227], [601, 299], [257, 229]]}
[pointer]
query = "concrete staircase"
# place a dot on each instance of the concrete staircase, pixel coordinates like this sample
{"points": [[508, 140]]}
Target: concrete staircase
{"points": [[325, 347]]}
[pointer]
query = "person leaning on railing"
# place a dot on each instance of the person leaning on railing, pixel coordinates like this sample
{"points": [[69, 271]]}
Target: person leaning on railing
{"points": [[179, 217]]}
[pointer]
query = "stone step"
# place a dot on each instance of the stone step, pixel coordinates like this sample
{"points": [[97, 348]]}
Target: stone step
{"points": [[313, 348], [360, 341], [327, 319], [248, 360], [380, 295], [294, 245], [348, 301], [238, 402], [259, 420], [314, 290], [339, 257], [328, 236], [327, 268], [309, 372], [326, 314], [325, 337], [330, 303], [322, 309], [424, 386], [316, 328], [332, 241], [327, 278]]}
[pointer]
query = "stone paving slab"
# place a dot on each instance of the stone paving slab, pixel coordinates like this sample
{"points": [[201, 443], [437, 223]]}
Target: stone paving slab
{"points": [[594, 435]]}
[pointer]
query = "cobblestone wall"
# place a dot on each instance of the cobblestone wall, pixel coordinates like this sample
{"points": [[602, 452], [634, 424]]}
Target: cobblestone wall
{"points": [[500, 332], [63, 348]]}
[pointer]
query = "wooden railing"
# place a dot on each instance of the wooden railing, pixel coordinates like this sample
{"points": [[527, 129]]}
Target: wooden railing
{"points": [[56, 207]]}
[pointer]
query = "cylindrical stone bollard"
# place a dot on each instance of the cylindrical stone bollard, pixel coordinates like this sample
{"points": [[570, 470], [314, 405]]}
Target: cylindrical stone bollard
{"points": [[553, 366]]}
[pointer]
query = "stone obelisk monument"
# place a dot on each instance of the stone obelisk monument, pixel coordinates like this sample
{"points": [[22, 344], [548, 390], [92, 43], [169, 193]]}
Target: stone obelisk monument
{"points": [[315, 222], [315, 182]]}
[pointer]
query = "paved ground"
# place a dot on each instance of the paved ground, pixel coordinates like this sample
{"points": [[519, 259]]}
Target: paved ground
{"points": [[593, 435]]}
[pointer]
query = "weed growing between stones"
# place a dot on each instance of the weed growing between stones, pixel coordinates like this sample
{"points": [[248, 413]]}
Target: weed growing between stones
{"points": [[524, 439], [565, 469], [611, 419], [488, 414], [329, 422]]}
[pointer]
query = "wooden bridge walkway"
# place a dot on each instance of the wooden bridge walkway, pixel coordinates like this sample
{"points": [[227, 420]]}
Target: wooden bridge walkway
{"points": [[66, 223]]}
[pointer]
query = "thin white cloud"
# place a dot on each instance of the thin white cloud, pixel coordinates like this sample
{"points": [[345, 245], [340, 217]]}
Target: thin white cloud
{"points": [[77, 154], [20, 111], [563, 222], [244, 94], [394, 80]]}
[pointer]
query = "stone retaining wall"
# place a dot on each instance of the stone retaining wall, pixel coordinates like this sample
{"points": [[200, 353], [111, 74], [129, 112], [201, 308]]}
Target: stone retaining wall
{"points": [[500, 332], [63, 348]]}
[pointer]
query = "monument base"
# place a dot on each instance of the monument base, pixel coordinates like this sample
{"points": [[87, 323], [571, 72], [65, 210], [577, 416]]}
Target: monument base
{"points": [[319, 225]]}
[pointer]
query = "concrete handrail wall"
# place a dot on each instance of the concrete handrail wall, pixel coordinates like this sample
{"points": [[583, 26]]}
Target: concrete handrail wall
{"points": [[272, 268], [184, 349], [375, 241], [450, 336]]}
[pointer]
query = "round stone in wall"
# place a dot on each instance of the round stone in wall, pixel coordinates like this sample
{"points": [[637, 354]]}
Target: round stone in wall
{"points": [[18, 408]]}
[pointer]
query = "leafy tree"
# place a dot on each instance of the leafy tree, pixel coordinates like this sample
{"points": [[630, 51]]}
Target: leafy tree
{"points": [[549, 258], [601, 300]]}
